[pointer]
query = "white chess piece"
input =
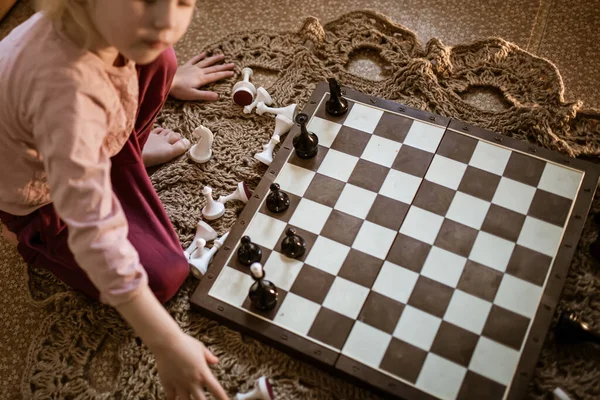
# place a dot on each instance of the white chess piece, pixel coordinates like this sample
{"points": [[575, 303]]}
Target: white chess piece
{"points": [[241, 193], [262, 391], [288, 111], [244, 91], [201, 152], [213, 209], [199, 265], [203, 231], [261, 96], [199, 250], [282, 125], [560, 394], [266, 156]]}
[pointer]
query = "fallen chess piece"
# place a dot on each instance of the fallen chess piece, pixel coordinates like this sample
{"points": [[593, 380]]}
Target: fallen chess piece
{"points": [[266, 156], [287, 112], [305, 143], [571, 329], [262, 293], [262, 96], [336, 105], [242, 193], [559, 394], [282, 125], [203, 231], [262, 391], [213, 209], [244, 91], [201, 258], [201, 151]]}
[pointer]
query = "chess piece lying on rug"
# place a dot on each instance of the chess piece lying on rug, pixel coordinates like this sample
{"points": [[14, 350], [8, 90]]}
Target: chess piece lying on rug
{"points": [[262, 391], [201, 257], [244, 91]]}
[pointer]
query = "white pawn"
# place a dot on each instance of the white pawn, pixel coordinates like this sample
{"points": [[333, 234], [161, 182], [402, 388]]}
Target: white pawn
{"points": [[266, 156], [199, 250], [213, 209], [244, 91], [282, 125], [201, 152], [199, 265], [242, 193], [288, 111], [262, 96], [203, 231], [262, 391]]}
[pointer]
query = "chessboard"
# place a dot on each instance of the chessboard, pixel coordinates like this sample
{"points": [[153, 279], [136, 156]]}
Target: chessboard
{"points": [[436, 252]]}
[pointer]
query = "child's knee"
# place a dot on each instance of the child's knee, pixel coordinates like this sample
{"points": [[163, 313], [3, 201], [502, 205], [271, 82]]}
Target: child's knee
{"points": [[166, 279]]}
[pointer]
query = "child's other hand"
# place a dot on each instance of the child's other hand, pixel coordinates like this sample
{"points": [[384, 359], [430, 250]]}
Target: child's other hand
{"points": [[197, 72]]}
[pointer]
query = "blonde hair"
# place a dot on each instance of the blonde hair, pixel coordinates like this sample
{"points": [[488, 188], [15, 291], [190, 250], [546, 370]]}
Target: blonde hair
{"points": [[74, 11]]}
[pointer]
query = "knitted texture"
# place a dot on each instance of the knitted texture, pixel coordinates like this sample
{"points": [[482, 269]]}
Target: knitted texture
{"points": [[84, 349]]}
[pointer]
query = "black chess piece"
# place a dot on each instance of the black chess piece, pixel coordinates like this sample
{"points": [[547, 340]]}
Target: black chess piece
{"points": [[293, 245], [277, 201], [306, 143], [571, 329], [262, 293], [336, 105], [248, 252]]}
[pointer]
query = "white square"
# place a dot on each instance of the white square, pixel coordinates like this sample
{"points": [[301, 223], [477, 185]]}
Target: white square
{"points": [[468, 210], [366, 344], [468, 312], [400, 186], [296, 313], [395, 282], [417, 328], [489, 157], [424, 136], [310, 215], [421, 224], [445, 172], [338, 165], [327, 255], [265, 230], [381, 151], [282, 270], [540, 236], [440, 377], [494, 361], [345, 297], [231, 286], [518, 296], [326, 130], [443, 266], [294, 179], [514, 195], [363, 118], [374, 240], [355, 201], [492, 251], [559, 180]]}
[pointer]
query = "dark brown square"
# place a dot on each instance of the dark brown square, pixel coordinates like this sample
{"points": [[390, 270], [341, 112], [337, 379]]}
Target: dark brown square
{"points": [[550, 208], [480, 281], [503, 222], [457, 238], [351, 141], [455, 343], [342, 227], [479, 183], [457, 147], [368, 175], [433, 197], [524, 169], [381, 312], [270, 314], [387, 212], [529, 265], [431, 296], [393, 126], [312, 284], [309, 237], [360, 268], [477, 387], [234, 263], [312, 164], [412, 161], [408, 252], [287, 214], [331, 328], [322, 113], [506, 327], [324, 190], [403, 360]]}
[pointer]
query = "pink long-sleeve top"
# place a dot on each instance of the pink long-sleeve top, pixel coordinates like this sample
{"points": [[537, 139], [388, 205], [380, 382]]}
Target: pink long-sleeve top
{"points": [[63, 114]]}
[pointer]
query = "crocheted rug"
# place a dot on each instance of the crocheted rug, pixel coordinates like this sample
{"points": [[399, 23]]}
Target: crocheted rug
{"points": [[79, 348]]}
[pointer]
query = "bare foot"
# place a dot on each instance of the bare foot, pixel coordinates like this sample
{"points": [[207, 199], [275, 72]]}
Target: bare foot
{"points": [[162, 146], [9, 236]]}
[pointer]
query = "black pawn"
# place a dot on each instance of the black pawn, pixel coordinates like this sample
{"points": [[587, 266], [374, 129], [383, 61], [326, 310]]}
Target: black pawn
{"points": [[293, 245], [570, 329], [336, 105], [262, 293], [306, 143], [277, 201], [248, 252]]}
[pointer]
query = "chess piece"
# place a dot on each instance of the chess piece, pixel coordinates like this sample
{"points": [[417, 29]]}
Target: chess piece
{"points": [[203, 231], [293, 245], [262, 391], [248, 253], [199, 250], [560, 394], [336, 105], [277, 201], [306, 143], [201, 152], [262, 96], [282, 125], [571, 329], [266, 156], [244, 91], [287, 112], [262, 293], [213, 209], [241, 193], [201, 259]]}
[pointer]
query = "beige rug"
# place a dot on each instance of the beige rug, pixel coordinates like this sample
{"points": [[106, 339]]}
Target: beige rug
{"points": [[57, 344]]}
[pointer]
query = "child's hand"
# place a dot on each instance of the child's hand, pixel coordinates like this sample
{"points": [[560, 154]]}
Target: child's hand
{"points": [[197, 72]]}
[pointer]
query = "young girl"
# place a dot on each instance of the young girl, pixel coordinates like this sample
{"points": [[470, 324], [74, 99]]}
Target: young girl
{"points": [[81, 83]]}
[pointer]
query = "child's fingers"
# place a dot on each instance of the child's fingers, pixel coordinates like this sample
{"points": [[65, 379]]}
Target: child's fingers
{"points": [[207, 62], [217, 76], [217, 68], [203, 95], [196, 58]]}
